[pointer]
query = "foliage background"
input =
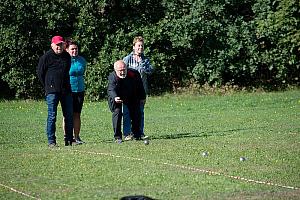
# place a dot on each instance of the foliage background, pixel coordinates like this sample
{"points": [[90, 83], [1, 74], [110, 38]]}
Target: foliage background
{"points": [[248, 43]]}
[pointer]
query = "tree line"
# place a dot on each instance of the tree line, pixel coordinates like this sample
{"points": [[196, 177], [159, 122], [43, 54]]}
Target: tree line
{"points": [[246, 43]]}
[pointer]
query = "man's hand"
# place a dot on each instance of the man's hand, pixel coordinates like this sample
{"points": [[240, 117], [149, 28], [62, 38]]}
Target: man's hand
{"points": [[118, 100]]}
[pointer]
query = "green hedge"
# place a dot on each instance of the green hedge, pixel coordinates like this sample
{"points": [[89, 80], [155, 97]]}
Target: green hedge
{"points": [[249, 43]]}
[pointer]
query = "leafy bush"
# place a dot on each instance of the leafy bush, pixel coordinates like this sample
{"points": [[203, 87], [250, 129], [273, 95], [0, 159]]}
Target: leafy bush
{"points": [[246, 43]]}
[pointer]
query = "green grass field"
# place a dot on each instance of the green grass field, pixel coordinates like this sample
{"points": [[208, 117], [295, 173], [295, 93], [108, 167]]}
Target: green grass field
{"points": [[262, 127]]}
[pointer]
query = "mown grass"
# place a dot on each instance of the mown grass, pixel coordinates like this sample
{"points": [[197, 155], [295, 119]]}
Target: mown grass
{"points": [[263, 127]]}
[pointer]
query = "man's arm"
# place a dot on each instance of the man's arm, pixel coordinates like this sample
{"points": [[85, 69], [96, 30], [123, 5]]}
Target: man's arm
{"points": [[112, 84], [41, 70]]}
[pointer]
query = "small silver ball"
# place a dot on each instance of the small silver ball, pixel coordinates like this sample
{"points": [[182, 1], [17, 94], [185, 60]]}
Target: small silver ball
{"points": [[204, 154], [146, 142], [242, 159]]}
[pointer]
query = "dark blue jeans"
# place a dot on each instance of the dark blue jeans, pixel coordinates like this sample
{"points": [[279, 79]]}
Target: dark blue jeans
{"points": [[66, 102], [127, 120]]}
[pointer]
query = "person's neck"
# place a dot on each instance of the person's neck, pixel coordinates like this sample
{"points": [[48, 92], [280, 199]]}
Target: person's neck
{"points": [[137, 57]]}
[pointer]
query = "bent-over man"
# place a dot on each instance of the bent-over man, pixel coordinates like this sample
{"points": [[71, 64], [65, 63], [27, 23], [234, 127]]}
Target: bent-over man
{"points": [[125, 86]]}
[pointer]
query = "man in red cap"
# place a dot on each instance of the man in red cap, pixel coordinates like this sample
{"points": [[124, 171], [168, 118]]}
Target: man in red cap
{"points": [[53, 73]]}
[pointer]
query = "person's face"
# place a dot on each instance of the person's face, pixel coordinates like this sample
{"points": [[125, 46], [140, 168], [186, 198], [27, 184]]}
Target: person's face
{"points": [[121, 70], [138, 47], [58, 48], [73, 50]]}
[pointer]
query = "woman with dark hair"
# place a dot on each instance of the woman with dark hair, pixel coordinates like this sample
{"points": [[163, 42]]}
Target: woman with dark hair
{"points": [[77, 70]]}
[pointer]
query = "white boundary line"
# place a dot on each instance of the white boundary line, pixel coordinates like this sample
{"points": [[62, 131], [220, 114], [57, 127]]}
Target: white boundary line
{"points": [[17, 191], [194, 169]]}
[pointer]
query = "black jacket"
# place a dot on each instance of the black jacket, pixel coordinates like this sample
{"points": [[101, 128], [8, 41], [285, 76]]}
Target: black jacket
{"points": [[129, 89], [53, 72]]}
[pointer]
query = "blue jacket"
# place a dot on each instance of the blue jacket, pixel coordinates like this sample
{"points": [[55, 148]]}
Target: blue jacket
{"points": [[78, 66]]}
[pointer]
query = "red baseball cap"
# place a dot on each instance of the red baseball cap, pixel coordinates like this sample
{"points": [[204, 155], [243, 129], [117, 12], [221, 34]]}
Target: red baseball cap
{"points": [[57, 39]]}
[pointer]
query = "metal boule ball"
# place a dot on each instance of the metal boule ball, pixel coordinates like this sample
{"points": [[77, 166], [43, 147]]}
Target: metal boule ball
{"points": [[146, 142]]}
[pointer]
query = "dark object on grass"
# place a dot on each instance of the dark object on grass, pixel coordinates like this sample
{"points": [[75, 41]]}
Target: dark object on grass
{"points": [[137, 197]]}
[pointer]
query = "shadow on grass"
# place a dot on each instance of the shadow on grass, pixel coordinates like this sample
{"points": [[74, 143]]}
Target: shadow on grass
{"points": [[203, 133], [195, 134]]}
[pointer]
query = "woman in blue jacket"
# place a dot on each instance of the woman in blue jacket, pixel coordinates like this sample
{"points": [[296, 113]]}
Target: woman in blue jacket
{"points": [[77, 70]]}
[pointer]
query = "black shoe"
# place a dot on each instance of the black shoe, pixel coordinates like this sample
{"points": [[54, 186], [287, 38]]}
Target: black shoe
{"points": [[68, 143], [78, 141], [137, 138], [65, 138]]}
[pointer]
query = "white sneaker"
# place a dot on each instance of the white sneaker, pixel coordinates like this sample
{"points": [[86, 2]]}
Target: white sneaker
{"points": [[128, 138], [144, 137]]}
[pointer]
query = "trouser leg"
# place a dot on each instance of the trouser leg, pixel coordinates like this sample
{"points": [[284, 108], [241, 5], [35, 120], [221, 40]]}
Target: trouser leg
{"points": [[52, 103], [67, 109], [142, 107], [126, 121], [116, 121], [135, 115]]}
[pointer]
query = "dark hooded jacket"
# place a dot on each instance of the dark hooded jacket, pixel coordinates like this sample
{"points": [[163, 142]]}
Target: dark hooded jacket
{"points": [[53, 72]]}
